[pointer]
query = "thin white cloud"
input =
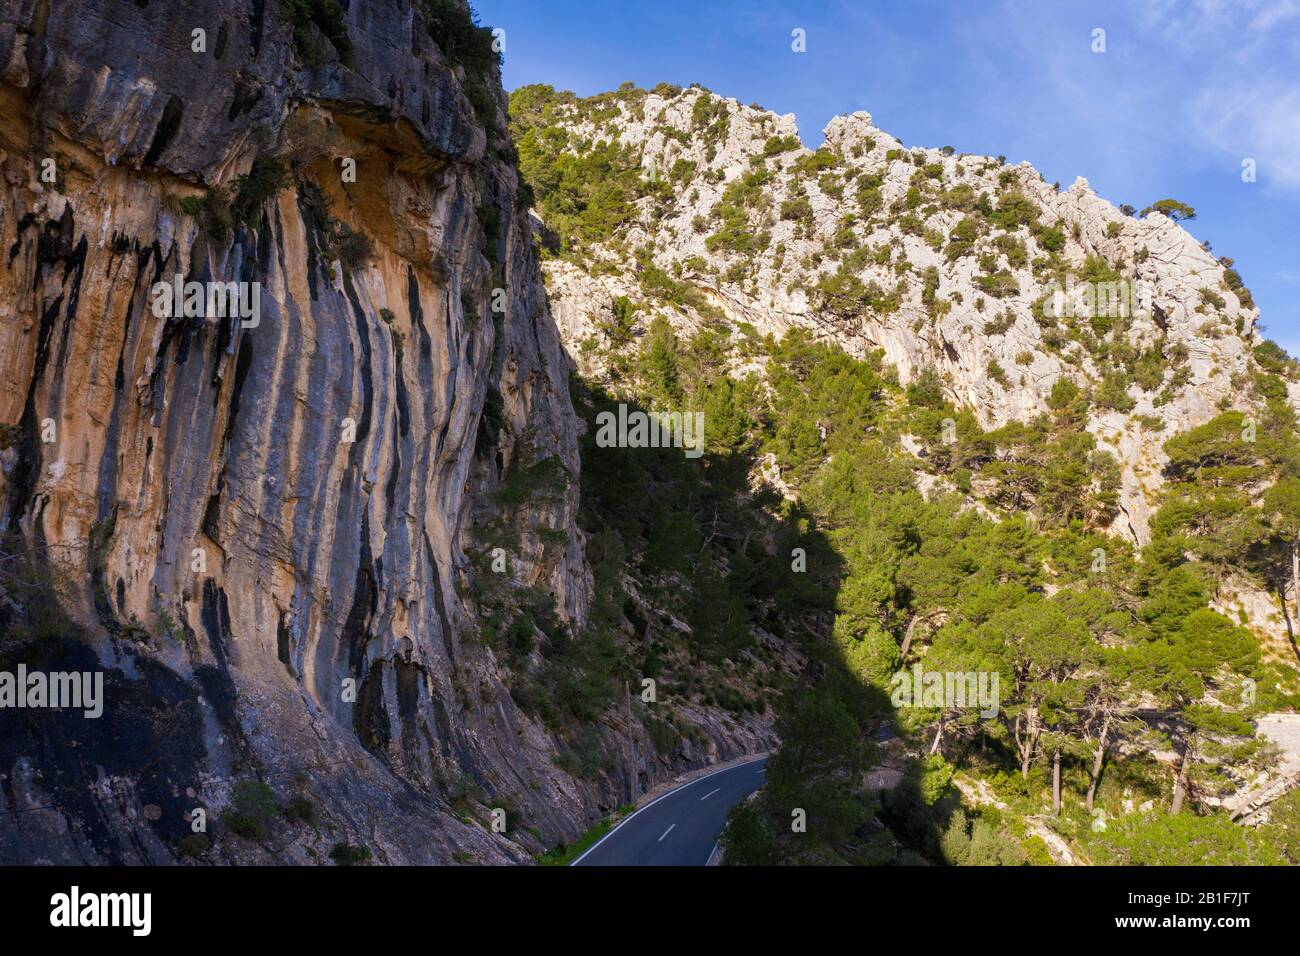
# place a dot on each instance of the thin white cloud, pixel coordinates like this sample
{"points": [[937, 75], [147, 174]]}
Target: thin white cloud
{"points": [[1277, 12], [1256, 121], [1183, 24], [1233, 65]]}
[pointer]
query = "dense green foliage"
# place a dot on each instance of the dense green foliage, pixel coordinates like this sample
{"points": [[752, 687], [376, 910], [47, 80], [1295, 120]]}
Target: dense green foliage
{"points": [[453, 26], [1121, 673], [735, 213], [583, 194], [1173, 208], [1096, 647], [1185, 840], [314, 21], [934, 580]]}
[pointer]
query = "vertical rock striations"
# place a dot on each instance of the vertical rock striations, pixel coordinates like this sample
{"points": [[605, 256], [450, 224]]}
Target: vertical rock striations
{"points": [[264, 527]]}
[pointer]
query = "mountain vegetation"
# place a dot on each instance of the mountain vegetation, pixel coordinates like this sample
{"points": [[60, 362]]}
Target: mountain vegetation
{"points": [[903, 527]]}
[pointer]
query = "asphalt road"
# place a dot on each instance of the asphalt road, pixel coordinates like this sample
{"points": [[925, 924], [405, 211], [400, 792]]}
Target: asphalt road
{"points": [[681, 827]]}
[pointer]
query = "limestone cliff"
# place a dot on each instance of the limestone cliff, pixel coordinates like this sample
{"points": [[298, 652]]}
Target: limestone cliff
{"points": [[261, 528]]}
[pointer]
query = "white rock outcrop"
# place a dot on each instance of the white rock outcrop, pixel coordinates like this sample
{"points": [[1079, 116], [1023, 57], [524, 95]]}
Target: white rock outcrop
{"points": [[989, 343]]}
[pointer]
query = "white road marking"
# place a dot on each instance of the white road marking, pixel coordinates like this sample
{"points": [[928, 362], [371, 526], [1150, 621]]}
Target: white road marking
{"points": [[709, 794], [666, 832], [591, 849]]}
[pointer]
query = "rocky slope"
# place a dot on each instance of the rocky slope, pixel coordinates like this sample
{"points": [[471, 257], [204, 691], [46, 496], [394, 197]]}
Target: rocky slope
{"points": [[941, 260], [1058, 448], [261, 530]]}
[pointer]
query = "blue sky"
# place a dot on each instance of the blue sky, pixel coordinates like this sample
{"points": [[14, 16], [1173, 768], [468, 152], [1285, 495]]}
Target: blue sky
{"points": [[1184, 92]]}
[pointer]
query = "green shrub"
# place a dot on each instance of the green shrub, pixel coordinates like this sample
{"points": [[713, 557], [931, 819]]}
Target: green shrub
{"points": [[1113, 393], [776, 145], [708, 111], [798, 208], [999, 284], [869, 197], [1149, 370], [1175, 210], [519, 637], [1014, 210], [194, 845], [452, 26], [336, 239], [313, 18], [1232, 279], [1182, 840], [252, 810], [961, 241], [1014, 249], [618, 329], [353, 248], [999, 324], [300, 810], [1051, 238], [736, 234], [815, 162], [346, 854], [1273, 358], [212, 211], [261, 183], [482, 99]]}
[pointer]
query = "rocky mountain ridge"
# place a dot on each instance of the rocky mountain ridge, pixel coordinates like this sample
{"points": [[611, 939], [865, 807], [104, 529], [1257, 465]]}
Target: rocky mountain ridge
{"points": [[940, 260]]}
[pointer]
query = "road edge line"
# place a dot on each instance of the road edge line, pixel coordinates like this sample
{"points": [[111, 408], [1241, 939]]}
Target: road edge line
{"points": [[662, 796]]}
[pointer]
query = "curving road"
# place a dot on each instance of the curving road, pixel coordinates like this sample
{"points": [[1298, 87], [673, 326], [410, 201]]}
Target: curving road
{"points": [[681, 827]]}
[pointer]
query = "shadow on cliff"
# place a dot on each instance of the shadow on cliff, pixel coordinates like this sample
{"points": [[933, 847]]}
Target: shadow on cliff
{"points": [[149, 731], [724, 593]]}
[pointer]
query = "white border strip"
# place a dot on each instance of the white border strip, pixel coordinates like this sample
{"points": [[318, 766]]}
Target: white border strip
{"points": [[734, 766]]}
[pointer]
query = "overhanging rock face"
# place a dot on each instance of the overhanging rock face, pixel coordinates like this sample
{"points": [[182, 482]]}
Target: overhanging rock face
{"points": [[262, 525]]}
